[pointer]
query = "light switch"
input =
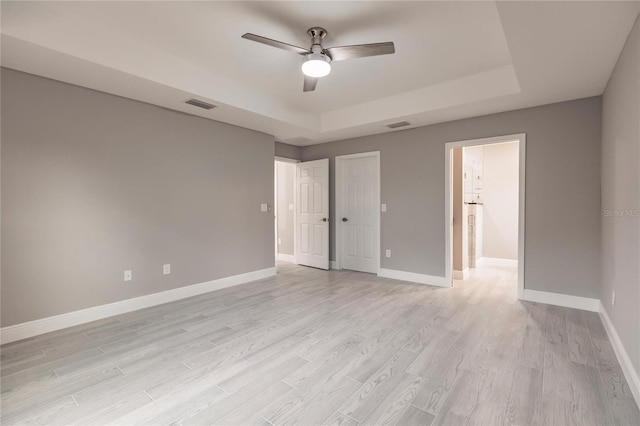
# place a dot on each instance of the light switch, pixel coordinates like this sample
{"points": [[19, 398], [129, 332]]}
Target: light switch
{"points": [[264, 207], [383, 207], [290, 207]]}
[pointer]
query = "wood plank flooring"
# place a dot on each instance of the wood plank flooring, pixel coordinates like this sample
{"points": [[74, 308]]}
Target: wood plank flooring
{"points": [[311, 347]]}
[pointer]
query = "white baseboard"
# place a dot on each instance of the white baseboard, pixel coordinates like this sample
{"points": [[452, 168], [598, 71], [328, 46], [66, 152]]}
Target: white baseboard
{"points": [[58, 322], [630, 373], [565, 300], [494, 261], [413, 277], [333, 264], [461, 275], [286, 257]]}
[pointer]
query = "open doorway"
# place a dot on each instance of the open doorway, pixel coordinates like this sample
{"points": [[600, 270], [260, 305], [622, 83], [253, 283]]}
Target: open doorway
{"points": [[301, 212], [485, 209], [284, 209]]}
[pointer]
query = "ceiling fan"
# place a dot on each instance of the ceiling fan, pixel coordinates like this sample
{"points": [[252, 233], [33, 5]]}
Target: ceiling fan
{"points": [[317, 59]]}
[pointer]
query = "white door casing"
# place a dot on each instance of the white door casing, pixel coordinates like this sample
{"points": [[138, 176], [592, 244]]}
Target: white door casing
{"points": [[312, 213], [358, 208], [275, 209], [521, 138]]}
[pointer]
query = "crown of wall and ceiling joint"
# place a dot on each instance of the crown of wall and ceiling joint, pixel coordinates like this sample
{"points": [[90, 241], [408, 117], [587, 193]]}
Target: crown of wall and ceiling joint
{"points": [[398, 124], [200, 104], [475, 61], [299, 140]]}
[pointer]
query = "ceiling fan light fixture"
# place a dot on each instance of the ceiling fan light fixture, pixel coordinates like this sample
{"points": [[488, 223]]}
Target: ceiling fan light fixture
{"points": [[316, 65], [317, 60]]}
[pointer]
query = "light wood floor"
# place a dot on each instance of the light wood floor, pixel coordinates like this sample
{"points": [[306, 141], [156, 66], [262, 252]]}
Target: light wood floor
{"points": [[313, 347]]}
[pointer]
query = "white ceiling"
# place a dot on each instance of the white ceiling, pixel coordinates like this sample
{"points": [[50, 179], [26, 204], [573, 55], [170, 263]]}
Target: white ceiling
{"points": [[453, 59]]}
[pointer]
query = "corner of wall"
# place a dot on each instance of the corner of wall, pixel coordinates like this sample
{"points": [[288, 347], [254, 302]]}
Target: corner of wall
{"points": [[630, 373]]}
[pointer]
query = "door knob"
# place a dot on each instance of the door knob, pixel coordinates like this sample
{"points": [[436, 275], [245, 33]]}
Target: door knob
{"points": [[324, 219], [344, 219]]}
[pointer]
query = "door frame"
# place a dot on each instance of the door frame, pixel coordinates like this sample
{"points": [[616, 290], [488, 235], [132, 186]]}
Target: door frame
{"points": [[521, 138], [278, 159], [339, 159]]}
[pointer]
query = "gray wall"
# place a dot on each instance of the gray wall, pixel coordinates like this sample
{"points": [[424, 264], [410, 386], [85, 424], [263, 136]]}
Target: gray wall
{"points": [[621, 196], [288, 151], [286, 174], [94, 184], [562, 191]]}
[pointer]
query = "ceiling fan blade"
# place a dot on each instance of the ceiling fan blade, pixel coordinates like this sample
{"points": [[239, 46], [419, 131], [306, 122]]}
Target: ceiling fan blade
{"points": [[276, 43], [360, 51], [309, 84]]}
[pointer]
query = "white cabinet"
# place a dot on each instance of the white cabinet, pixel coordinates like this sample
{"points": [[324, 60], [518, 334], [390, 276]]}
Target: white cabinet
{"points": [[473, 184]]}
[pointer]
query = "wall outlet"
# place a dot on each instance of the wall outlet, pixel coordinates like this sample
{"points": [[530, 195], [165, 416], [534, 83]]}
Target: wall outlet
{"points": [[383, 207], [128, 275], [387, 253], [613, 298], [291, 207], [166, 269], [279, 241]]}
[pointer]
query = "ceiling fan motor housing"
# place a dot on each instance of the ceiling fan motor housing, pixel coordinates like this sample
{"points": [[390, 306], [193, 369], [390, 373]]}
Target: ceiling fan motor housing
{"points": [[316, 34]]}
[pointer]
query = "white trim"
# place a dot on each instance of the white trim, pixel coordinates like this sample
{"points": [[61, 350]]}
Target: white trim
{"points": [[630, 373], [333, 264], [522, 145], [286, 257], [286, 160], [494, 261], [448, 215], [461, 275], [275, 208], [565, 300], [521, 138], [413, 277], [338, 203], [58, 322], [295, 216]]}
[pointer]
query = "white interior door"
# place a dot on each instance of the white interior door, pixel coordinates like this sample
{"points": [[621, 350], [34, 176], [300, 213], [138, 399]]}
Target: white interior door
{"points": [[359, 213], [312, 213]]}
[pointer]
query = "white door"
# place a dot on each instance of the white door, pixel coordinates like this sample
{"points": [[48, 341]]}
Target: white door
{"points": [[312, 213], [359, 213]]}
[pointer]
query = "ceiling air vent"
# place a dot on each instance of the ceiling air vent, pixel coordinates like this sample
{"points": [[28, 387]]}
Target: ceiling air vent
{"points": [[398, 124], [200, 104]]}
